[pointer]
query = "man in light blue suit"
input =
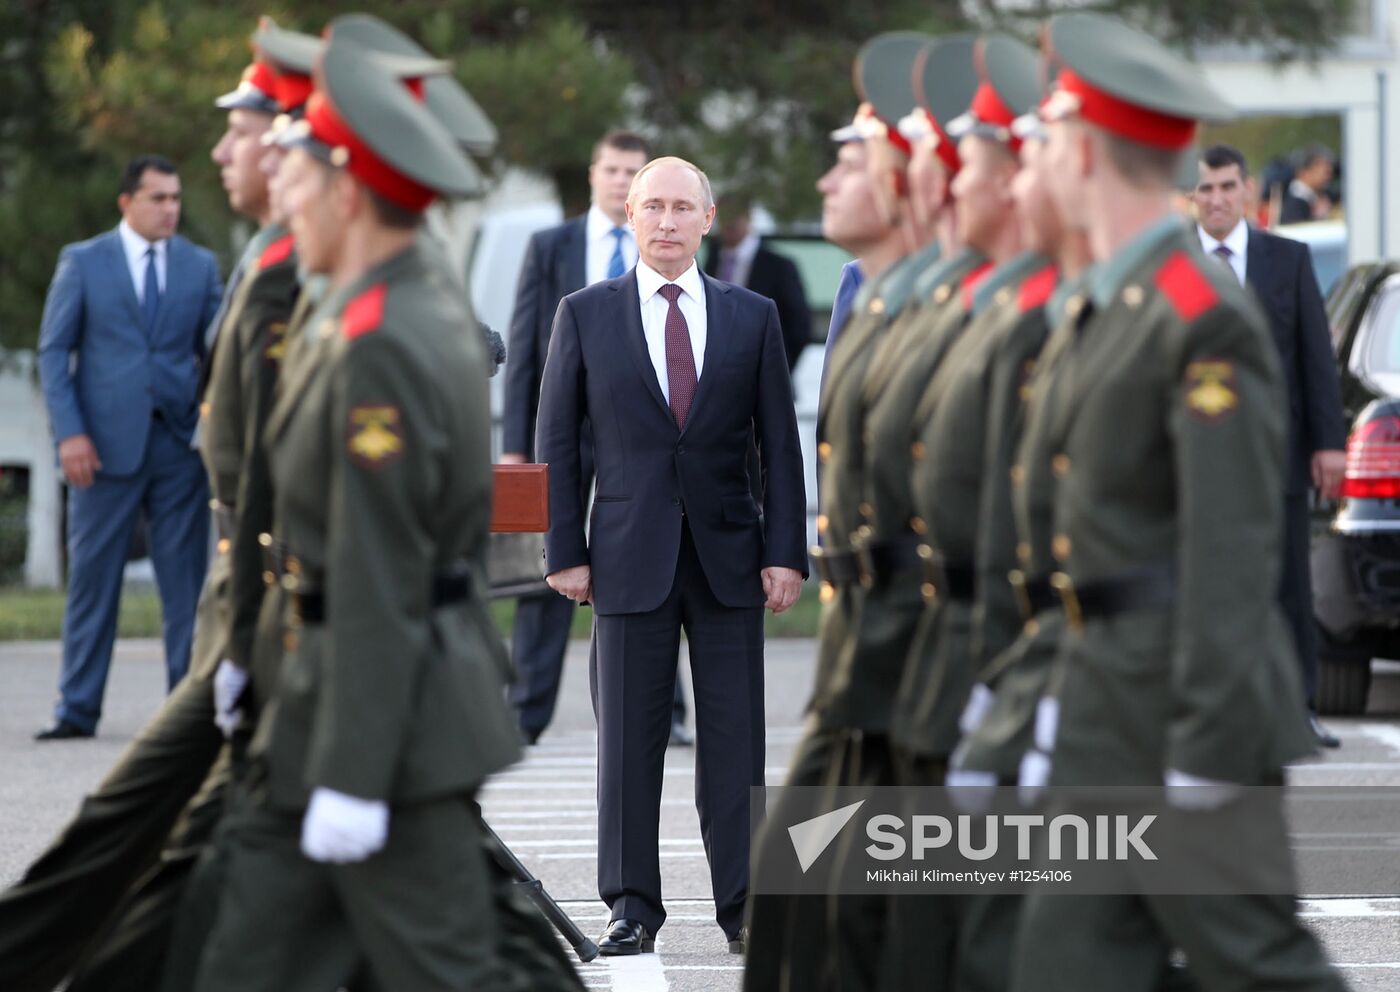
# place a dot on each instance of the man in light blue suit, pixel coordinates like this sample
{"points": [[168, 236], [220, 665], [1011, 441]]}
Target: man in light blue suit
{"points": [[120, 351]]}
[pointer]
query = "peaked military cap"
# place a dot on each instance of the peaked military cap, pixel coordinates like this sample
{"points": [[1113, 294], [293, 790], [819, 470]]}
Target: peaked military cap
{"points": [[883, 74], [446, 98], [1008, 86], [944, 80], [366, 118], [1127, 82], [257, 90]]}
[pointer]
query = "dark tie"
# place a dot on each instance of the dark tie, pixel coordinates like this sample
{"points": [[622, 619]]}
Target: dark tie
{"points": [[617, 264], [1222, 251], [150, 296], [680, 360]]}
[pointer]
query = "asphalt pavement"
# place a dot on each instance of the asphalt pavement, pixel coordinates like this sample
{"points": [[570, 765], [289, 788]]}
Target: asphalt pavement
{"points": [[544, 808]]}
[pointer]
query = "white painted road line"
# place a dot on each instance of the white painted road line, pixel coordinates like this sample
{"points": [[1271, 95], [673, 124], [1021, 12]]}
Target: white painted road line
{"points": [[1387, 734], [638, 973]]}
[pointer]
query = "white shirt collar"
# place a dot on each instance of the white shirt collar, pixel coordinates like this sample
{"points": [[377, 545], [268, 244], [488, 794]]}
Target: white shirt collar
{"points": [[1237, 240], [600, 225], [135, 246], [649, 281]]}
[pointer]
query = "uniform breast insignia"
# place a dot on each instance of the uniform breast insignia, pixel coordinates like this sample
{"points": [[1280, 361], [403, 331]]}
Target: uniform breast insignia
{"points": [[1185, 287], [275, 338], [279, 251], [1210, 389], [374, 435], [364, 313], [1036, 290]]}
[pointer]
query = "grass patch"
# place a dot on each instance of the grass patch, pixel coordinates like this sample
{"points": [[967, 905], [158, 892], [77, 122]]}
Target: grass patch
{"points": [[37, 615]]}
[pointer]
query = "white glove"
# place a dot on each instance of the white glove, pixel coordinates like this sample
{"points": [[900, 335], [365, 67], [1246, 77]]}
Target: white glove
{"points": [[1034, 776], [340, 829], [1191, 792], [229, 683], [979, 704], [1047, 723], [971, 791]]}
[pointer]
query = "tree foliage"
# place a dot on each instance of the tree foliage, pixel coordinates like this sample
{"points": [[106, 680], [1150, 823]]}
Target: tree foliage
{"points": [[747, 88]]}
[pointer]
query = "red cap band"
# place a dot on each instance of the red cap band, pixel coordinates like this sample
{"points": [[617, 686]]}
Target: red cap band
{"points": [[988, 107], [947, 149], [1127, 119], [328, 127], [292, 90], [263, 77]]}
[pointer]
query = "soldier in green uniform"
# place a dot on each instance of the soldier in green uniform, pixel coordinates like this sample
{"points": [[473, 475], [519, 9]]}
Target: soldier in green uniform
{"points": [[61, 904], [1163, 441], [390, 710]]}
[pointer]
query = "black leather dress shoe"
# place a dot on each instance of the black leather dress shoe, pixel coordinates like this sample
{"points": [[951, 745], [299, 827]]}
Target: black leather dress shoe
{"points": [[62, 730], [740, 943], [1325, 737], [626, 937], [680, 737]]}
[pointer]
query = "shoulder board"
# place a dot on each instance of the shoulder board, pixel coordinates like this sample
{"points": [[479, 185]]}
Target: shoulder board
{"points": [[1036, 289], [279, 251], [970, 281], [1185, 286], [363, 314]]}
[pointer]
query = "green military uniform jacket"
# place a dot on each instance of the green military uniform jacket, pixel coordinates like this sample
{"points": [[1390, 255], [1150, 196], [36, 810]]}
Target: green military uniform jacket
{"points": [[880, 305], [1166, 446], [947, 474], [1016, 652], [885, 612], [228, 430], [379, 446]]}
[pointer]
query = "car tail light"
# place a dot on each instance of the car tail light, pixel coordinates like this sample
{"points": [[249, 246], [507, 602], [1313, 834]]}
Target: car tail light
{"points": [[1373, 460]]}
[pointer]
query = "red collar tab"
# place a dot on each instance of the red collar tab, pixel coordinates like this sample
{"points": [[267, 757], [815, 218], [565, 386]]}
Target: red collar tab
{"points": [[1036, 289], [329, 128], [1185, 287], [1128, 120], [970, 281], [365, 313], [279, 251]]}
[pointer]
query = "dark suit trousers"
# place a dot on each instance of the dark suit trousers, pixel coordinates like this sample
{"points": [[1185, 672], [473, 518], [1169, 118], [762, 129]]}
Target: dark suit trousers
{"points": [[635, 675], [48, 918], [1295, 586]]}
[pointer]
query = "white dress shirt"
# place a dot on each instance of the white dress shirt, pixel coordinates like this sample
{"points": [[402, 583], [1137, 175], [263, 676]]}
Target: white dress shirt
{"points": [[600, 244], [654, 310], [135, 246], [1238, 243], [743, 254]]}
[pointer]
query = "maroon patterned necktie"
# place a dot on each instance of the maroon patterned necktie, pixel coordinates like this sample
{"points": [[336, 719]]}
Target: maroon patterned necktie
{"points": [[680, 359]]}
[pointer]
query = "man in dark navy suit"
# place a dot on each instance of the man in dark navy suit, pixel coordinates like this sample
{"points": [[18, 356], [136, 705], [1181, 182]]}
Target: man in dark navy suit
{"points": [[678, 374], [559, 260], [1280, 272], [120, 349]]}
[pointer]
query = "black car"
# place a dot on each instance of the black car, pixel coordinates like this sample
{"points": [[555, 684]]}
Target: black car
{"points": [[1356, 541]]}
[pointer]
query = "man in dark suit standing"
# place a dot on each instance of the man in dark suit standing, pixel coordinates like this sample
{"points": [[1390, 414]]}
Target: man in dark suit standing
{"points": [[1280, 272], [1306, 196], [559, 260], [120, 349], [677, 373], [741, 257]]}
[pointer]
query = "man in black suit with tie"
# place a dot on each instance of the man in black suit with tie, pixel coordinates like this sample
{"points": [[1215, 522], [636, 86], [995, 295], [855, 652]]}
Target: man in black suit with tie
{"points": [[1280, 272], [559, 260], [739, 256], [677, 374]]}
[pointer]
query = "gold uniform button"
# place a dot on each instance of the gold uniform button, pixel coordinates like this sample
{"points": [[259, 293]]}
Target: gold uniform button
{"points": [[1074, 304], [822, 523], [828, 593], [293, 565], [269, 579], [1023, 553], [917, 525], [1132, 296], [824, 450], [941, 296], [265, 539], [866, 510], [929, 591], [1060, 466], [916, 451], [877, 305], [1031, 628], [204, 409], [289, 583], [1018, 475], [1003, 296], [863, 532], [223, 545], [1060, 547]]}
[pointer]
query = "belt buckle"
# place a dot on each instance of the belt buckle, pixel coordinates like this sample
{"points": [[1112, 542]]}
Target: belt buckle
{"points": [[1017, 578], [1069, 599], [928, 560]]}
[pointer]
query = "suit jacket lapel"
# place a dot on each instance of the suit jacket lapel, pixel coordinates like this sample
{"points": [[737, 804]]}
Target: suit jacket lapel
{"points": [[176, 279], [575, 258], [1256, 262], [719, 319], [121, 276], [628, 309]]}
